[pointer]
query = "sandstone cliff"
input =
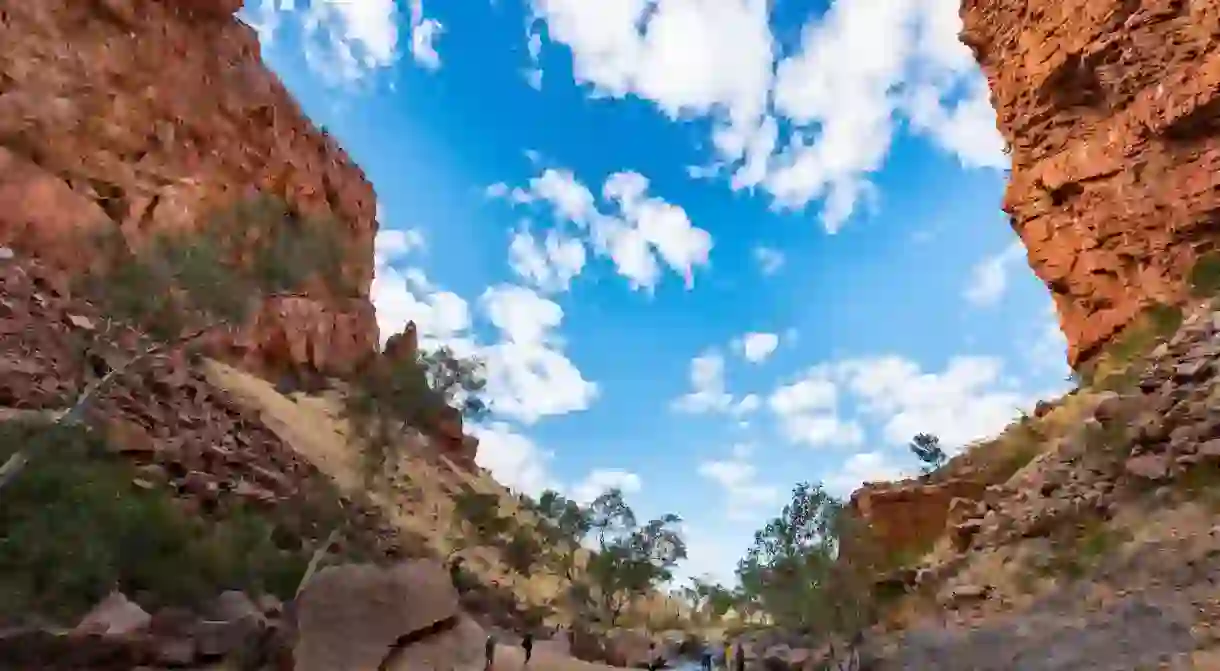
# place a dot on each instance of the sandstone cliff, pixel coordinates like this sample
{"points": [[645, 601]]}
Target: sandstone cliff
{"points": [[1111, 111], [153, 114]]}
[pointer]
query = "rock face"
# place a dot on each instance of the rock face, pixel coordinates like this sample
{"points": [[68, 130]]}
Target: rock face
{"points": [[909, 516], [366, 617], [181, 431], [1110, 112], [95, 129]]}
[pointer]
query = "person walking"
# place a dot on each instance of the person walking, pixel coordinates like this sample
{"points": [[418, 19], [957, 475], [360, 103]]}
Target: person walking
{"points": [[489, 650], [707, 658], [728, 655], [527, 644], [739, 658]]}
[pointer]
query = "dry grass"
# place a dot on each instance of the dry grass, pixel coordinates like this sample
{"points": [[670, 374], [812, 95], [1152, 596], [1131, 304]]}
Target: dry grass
{"points": [[420, 498], [421, 492]]}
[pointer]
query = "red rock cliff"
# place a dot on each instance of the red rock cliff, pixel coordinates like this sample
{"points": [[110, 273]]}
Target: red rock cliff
{"points": [[154, 113], [1112, 113]]}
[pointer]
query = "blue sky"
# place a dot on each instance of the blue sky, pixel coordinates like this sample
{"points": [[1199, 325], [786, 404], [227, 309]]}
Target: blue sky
{"points": [[707, 248]]}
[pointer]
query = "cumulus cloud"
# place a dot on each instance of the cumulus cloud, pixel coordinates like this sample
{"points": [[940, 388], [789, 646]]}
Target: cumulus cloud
{"points": [[1047, 349], [707, 386], [528, 375], [989, 277], [424, 34], [640, 233], [404, 295], [807, 410], [860, 468], [513, 459], [970, 399], [548, 264], [757, 347], [793, 126], [345, 41], [602, 480], [745, 496], [769, 260]]}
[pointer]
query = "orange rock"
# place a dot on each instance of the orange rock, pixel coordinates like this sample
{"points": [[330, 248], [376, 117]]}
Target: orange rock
{"points": [[1109, 110], [910, 515], [98, 130]]}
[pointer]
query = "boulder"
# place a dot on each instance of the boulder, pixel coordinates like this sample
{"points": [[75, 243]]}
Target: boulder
{"points": [[115, 615], [351, 617]]}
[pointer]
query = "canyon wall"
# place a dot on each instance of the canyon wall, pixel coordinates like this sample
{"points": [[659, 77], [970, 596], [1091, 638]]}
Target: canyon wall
{"points": [[1111, 110], [154, 114]]}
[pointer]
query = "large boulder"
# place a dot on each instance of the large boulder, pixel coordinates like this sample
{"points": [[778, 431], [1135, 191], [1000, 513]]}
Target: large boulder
{"points": [[352, 617], [457, 648]]}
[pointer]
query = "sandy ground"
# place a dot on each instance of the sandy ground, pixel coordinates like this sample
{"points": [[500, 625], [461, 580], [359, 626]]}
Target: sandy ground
{"points": [[511, 658]]}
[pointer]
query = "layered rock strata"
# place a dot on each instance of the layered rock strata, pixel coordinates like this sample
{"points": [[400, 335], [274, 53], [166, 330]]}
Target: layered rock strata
{"points": [[1111, 112], [156, 114]]}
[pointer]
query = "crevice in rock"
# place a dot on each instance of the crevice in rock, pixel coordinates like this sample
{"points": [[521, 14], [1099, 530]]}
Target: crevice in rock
{"points": [[1202, 121], [112, 198], [418, 636]]}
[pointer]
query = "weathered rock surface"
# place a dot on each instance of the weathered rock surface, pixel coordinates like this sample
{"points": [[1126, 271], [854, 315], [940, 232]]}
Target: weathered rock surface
{"points": [[1102, 552], [909, 515], [96, 130], [181, 431], [1110, 111], [352, 617], [118, 635]]}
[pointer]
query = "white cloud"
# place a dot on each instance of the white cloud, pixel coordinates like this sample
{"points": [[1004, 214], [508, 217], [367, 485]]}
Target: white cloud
{"points": [[1047, 350], [745, 497], [967, 401], [343, 40], [769, 260], [441, 317], [690, 57], [513, 459], [707, 386], [808, 412], [748, 404], [550, 264], [756, 347], [640, 233], [711, 554], [808, 126], [424, 34], [395, 244], [601, 480], [989, 277], [859, 469], [528, 376]]}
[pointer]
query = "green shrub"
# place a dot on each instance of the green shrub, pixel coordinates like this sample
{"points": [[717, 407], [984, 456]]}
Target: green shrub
{"points": [[74, 526], [1204, 276]]}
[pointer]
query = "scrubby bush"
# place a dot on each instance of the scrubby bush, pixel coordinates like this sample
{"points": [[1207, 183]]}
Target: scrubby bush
{"points": [[79, 525]]}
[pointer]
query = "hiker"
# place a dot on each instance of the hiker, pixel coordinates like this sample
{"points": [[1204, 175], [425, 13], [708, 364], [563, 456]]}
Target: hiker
{"points": [[490, 651], [527, 644], [739, 658]]}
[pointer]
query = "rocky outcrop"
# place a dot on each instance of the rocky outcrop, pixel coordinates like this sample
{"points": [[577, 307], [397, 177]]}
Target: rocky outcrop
{"points": [[403, 617], [348, 617], [909, 516], [182, 432], [96, 130], [1110, 112]]}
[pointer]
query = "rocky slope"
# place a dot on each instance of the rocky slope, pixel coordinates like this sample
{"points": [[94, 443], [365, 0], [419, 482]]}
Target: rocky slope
{"points": [[1100, 550], [95, 130], [1110, 112]]}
